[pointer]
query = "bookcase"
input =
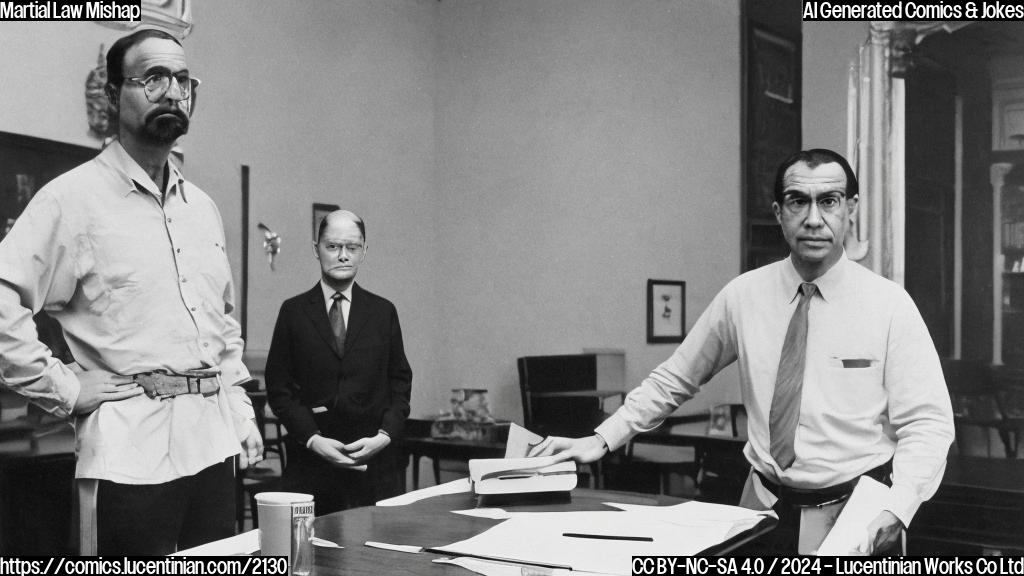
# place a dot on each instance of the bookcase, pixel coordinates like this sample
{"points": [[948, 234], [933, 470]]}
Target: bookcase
{"points": [[1008, 258]]}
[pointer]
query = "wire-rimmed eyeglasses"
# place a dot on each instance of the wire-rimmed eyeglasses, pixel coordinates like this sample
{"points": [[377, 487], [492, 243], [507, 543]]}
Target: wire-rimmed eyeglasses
{"points": [[799, 204], [157, 85]]}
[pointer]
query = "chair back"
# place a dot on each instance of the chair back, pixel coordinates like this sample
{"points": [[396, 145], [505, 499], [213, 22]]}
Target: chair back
{"points": [[728, 420], [974, 398], [571, 416]]}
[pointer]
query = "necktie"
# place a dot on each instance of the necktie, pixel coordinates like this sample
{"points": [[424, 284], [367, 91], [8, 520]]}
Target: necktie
{"points": [[785, 411], [337, 321]]}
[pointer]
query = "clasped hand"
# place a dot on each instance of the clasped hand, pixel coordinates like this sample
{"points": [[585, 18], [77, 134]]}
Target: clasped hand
{"points": [[348, 455]]}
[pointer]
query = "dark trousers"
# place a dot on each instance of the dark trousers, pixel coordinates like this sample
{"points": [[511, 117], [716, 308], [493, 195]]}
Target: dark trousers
{"points": [[158, 519]]}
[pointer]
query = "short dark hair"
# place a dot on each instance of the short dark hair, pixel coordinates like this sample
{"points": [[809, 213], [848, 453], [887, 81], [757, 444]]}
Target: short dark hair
{"points": [[115, 56], [358, 220], [814, 158]]}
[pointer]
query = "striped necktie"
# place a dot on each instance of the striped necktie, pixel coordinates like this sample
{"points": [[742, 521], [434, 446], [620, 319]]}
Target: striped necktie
{"points": [[785, 411]]}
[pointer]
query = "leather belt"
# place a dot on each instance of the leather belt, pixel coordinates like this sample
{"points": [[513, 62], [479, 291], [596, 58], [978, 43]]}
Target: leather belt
{"points": [[808, 498], [163, 385]]}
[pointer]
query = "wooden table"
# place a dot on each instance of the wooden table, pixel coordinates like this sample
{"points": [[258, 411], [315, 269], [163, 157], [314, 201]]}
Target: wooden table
{"points": [[979, 506], [430, 523]]}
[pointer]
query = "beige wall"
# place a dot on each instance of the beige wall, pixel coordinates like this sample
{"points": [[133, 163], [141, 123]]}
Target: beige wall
{"points": [[829, 49], [586, 146], [524, 167]]}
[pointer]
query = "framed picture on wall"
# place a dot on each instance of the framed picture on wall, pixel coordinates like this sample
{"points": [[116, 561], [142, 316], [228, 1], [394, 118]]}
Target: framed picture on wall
{"points": [[319, 211], [666, 311]]}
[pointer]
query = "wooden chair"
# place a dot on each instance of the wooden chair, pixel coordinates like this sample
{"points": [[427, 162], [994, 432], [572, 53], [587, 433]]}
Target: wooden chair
{"points": [[262, 477], [661, 461], [723, 467], [1009, 385], [976, 403], [560, 397]]}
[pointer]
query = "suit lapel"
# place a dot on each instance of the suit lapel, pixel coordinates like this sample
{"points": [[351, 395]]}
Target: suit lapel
{"points": [[316, 310], [358, 314]]}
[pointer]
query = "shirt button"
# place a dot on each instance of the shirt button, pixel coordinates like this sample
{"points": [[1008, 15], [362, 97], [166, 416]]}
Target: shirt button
{"points": [[193, 308], [179, 250], [183, 280], [206, 344]]}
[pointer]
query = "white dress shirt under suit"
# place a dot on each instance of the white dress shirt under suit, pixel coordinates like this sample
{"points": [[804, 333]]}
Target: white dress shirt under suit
{"points": [[139, 280], [873, 388]]}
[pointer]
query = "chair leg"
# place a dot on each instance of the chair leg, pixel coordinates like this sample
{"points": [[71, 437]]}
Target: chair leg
{"points": [[253, 511], [88, 488]]}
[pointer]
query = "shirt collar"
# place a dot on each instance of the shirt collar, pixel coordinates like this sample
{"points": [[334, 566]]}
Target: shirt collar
{"points": [[136, 179], [829, 283], [329, 292]]}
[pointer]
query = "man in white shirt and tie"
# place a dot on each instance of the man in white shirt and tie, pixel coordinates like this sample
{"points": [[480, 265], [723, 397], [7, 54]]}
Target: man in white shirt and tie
{"points": [[838, 374]]}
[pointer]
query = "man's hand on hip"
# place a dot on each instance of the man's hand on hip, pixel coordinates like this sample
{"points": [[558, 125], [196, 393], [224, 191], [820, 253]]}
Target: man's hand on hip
{"points": [[98, 386], [365, 448], [333, 451], [252, 446], [582, 450]]}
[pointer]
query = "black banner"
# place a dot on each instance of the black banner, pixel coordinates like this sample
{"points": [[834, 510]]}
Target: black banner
{"points": [[101, 10], [992, 10]]}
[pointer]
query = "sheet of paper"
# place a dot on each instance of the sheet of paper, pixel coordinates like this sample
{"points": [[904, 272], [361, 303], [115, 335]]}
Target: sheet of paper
{"points": [[605, 541], [851, 528], [493, 568], [520, 440], [242, 544], [454, 487], [721, 520], [396, 547], [492, 513]]}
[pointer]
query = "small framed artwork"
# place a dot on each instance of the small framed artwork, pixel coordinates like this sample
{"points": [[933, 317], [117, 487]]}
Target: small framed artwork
{"points": [[319, 211], [666, 311]]}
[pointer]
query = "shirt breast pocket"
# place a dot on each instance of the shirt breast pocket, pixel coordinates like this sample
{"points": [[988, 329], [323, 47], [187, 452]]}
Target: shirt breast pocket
{"points": [[854, 385]]}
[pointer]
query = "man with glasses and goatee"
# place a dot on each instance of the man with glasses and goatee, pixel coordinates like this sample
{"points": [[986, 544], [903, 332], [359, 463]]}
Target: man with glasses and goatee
{"points": [[839, 376], [129, 258]]}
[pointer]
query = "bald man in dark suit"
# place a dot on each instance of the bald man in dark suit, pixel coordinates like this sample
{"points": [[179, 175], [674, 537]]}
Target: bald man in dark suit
{"points": [[338, 379]]}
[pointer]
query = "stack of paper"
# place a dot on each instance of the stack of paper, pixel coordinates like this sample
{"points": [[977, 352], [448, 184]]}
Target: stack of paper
{"points": [[521, 475], [849, 535]]}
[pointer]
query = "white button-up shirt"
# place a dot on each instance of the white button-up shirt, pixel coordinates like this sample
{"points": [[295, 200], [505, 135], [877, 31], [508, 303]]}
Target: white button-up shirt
{"points": [[139, 280], [873, 387]]}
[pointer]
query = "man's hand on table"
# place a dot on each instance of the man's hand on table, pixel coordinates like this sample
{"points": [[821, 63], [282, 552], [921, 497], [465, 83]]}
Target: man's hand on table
{"points": [[582, 450]]}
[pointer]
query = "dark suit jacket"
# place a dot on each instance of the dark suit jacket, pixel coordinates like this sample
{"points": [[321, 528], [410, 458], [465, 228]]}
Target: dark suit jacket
{"points": [[365, 388]]}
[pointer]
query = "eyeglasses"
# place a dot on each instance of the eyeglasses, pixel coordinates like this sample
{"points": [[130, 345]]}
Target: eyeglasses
{"points": [[157, 85], [353, 248], [799, 204]]}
